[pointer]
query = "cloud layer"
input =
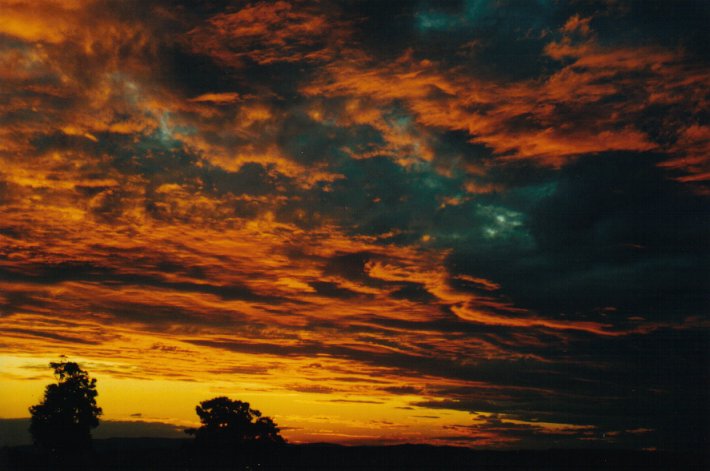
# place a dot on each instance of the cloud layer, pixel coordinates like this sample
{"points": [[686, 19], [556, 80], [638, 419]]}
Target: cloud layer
{"points": [[486, 221]]}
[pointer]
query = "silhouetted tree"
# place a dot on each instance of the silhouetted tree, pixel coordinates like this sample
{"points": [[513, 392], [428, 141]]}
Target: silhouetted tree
{"points": [[62, 422], [227, 423]]}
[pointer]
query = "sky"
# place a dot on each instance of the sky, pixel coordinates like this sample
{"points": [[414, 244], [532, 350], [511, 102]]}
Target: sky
{"points": [[476, 223]]}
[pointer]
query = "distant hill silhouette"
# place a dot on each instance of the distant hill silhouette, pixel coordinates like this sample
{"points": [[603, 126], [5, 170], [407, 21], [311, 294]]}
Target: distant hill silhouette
{"points": [[14, 432], [161, 453]]}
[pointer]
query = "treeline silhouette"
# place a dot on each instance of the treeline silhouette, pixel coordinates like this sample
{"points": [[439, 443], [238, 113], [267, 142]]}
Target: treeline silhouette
{"points": [[61, 423], [233, 436]]}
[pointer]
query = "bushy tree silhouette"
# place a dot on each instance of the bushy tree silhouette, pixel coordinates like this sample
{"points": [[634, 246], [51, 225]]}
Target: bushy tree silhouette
{"points": [[227, 423], [62, 422]]}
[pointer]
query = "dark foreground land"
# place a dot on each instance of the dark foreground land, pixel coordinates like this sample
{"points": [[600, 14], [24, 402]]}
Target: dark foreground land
{"points": [[171, 454]]}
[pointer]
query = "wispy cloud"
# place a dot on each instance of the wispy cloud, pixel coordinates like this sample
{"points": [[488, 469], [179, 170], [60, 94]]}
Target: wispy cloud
{"points": [[474, 221]]}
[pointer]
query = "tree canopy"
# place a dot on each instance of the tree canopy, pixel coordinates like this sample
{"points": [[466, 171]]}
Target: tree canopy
{"points": [[63, 420], [228, 422]]}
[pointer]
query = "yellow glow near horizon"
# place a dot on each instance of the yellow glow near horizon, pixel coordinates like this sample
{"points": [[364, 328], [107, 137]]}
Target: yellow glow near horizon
{"points": [[304, 416]]}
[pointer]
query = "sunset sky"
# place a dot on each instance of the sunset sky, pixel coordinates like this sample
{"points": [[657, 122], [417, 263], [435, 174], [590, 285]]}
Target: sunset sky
{"points": [[478, 223]]}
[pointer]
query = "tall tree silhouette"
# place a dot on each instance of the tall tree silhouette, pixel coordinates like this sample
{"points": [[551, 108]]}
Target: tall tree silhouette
{"points": [[227, 423], [62, 422]]}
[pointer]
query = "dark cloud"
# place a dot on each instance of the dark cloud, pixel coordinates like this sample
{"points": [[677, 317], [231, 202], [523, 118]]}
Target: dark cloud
{"points": [[386, 27], [333, 290], [378, 196], [51, 274], [49, 335], [680, 24], [413, 292], [312, 142], [355, 401], [653, 381], [615, 232], [402, 390], [196, 74]]}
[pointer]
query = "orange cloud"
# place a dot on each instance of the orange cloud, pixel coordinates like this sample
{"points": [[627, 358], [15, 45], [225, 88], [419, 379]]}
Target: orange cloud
{"points": [[267, 33], [450, 99], [227, 97]]}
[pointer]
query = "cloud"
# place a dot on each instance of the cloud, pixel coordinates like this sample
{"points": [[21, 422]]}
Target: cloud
{"points": [[453, 208], [267, 33], [606, 236]]}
